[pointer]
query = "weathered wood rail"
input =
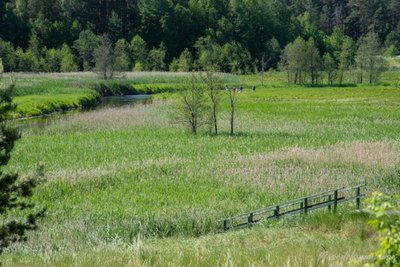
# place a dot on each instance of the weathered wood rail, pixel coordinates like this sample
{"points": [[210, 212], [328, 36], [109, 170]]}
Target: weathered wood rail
{"points": [[330, 199]]}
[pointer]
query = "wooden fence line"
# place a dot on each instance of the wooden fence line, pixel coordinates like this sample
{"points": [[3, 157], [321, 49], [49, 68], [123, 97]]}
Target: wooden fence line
{"points": [[330, 199]]}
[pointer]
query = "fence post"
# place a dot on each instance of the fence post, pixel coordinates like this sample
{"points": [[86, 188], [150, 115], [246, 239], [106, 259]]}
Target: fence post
{"points": [[250, 219], [329, 202], [335, 200], [306, 205], [225, 225], [276, 212], [358, 199]]}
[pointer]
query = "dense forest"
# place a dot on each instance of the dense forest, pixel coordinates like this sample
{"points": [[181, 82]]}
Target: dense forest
{"points": [[234, 35]]}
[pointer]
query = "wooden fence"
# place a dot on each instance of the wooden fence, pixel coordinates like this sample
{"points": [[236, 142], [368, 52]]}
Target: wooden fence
{"points": [[330, 199]]}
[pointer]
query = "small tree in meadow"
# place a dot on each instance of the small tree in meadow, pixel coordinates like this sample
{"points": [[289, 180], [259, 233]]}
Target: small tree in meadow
{"points": [[213, 89], [192, 108], [232, 95]]}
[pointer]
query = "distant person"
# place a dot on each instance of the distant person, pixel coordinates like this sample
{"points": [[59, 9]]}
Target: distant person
{"points": [[241, 89], [254, 89]]}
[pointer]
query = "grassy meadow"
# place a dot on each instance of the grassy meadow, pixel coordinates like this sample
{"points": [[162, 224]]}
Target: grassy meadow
{"points": [[126, 187]]}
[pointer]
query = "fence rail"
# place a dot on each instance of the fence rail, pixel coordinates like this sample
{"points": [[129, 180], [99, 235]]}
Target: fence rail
{"points": [[330, 199]]}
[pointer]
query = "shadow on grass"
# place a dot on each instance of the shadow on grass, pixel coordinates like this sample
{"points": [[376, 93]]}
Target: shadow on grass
{"points": [[343, 85], [258, 135]]}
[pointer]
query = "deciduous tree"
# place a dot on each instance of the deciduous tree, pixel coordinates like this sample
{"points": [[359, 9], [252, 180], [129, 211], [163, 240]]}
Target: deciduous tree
{"points": [[191, 109], [104, 58]]}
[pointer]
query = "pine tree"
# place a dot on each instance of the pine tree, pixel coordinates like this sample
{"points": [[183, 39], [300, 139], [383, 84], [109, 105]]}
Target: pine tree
{"points": [[17, 215]]}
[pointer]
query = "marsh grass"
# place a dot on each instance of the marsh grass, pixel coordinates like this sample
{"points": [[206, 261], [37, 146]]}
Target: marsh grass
{"points": [[322, 240], [125, 187]]}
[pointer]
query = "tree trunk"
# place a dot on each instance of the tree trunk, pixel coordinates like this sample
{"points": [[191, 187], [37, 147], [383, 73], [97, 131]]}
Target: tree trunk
{"points": [[341, 77], [215, 119], [232, 117]]}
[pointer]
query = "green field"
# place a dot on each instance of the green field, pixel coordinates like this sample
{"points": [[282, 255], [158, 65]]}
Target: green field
{"points": [[126, 187]]}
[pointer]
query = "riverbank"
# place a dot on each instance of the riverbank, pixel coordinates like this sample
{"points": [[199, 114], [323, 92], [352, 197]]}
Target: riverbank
{"points": [[39, 94]]}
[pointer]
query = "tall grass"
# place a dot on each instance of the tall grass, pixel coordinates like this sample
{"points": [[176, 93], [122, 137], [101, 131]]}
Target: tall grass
{"points": [[115, 175]]}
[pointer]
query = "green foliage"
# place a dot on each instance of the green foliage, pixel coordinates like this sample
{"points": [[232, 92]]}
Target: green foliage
{"points": [[185, 61], [7, 53], [156, 59], [114, 27], [346, 56], [17, 215], [139, 53], [53, 60], [122, 57], [271, 55], [257, 28], [294, 60], [208, 53], [386, 212], [85, 46], [68, 63], [330, 68], [235, 59], [391, 51], [370, 57]]}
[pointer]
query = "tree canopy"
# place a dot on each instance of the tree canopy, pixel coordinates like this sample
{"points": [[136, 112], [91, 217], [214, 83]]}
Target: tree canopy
{"points": [[252, 32]]}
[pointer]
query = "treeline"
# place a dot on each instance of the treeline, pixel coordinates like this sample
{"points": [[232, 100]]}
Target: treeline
{"points": [[360, 62], [233, 35]]}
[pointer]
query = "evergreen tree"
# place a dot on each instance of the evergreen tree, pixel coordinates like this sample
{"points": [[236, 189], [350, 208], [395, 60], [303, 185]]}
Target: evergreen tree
{"points": [[17, 215], [114, 27]]}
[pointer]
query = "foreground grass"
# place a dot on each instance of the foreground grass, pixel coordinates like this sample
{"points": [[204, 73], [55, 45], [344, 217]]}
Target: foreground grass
{"points": [[321, 240], [123, 178]]}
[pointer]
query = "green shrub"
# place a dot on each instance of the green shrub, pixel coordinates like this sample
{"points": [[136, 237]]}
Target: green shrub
{"points": [[386, 210]]}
